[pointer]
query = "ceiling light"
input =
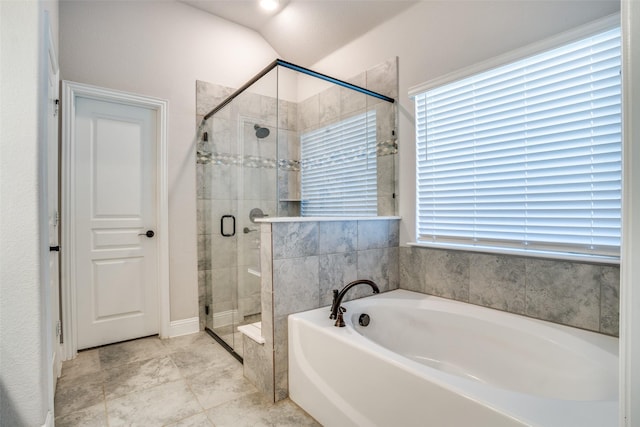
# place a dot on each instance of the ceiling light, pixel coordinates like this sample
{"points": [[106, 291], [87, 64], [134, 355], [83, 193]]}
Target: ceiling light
{"points": [[269, 4]]}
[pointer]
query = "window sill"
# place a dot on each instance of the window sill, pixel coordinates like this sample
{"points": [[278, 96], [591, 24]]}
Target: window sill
{"points": [[565, 256]]}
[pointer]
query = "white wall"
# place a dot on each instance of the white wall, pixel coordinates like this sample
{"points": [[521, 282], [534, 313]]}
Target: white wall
{"points": [[26, 395], [160, 49], [434, 38]]}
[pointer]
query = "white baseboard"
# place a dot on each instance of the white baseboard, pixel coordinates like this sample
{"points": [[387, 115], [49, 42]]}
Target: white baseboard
{"points": [[224, 318], [48, 422], [56, 362], [184, 327]]}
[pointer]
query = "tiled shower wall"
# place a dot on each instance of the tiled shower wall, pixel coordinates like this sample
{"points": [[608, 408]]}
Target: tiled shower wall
{"points": [[570, 293], [302, 262]]}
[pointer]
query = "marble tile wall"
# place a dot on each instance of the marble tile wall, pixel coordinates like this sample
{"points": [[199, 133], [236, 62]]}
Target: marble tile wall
{"points": [[302, 263], [570, 293]]}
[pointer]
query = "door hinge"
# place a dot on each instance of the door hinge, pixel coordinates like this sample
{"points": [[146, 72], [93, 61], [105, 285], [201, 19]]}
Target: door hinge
{"points": [[56, 107]]}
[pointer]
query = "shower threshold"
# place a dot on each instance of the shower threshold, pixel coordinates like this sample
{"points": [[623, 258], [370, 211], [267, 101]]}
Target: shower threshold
{"points": [[224, 345]]}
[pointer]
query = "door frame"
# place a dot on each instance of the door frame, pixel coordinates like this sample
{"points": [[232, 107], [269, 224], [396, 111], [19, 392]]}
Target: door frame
{"points": [[53, 69], [71, 90]]}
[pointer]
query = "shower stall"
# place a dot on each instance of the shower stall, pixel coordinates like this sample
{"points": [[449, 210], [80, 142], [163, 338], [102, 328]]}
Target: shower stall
{"points": [[290, 142]]}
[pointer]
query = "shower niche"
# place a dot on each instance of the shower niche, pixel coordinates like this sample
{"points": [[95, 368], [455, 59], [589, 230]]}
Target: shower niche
{"points": [[291, 142]]}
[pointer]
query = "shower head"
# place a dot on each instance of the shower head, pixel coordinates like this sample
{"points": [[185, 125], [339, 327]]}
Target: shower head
{"points": [[261, 132]]}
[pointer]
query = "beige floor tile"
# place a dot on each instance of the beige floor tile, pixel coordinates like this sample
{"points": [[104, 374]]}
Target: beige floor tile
{"points": [[125, 379], [153, 382], [131, 351], [255, 410], [86, 362], [157, 406], [93, 416], [216, 386], [194, 361], [80, 392], [199, 420], [285, 413], [190, 341]]}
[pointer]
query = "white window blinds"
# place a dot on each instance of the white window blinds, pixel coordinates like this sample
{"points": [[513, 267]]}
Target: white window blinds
{"points": [[527, 155], [339, 168]]}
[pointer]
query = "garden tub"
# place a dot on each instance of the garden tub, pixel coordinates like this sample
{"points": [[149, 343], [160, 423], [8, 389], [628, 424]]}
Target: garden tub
{"points": [[429, 361]]}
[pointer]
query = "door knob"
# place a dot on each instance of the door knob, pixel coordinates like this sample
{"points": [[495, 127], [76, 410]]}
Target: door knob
{"points": [[149, 234]]}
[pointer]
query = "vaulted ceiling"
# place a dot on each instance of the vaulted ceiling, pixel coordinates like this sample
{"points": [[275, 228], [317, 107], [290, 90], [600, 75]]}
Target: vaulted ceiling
{"points": [[305, 31]]}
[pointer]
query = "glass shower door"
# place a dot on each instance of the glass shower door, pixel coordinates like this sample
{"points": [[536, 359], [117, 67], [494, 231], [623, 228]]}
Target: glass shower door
{"points": [[243, 185], [221, 181]]}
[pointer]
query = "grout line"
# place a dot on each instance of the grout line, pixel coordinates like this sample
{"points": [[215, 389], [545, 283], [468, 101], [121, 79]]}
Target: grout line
{"points": [[106, 410]]}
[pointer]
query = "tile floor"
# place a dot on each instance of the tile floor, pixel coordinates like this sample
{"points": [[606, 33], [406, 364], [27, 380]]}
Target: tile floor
{"points": [[180, 382]]}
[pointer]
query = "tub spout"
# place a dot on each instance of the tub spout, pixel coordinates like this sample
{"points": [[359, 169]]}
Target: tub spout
{"points": [[336, 310]]}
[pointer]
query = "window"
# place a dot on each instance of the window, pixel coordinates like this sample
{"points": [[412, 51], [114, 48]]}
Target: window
{"points": [[339, 168], [527, 155]]}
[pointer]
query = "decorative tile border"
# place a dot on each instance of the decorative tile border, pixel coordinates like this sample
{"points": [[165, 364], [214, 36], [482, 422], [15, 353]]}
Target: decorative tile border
{"points": [[289, 165], [225, 159], [386, 148]]}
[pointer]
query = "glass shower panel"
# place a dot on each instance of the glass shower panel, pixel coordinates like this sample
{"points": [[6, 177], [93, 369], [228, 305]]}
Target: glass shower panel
{"points": [[288, 173], [257, 188], [244, 186], [291, 142], [346, 147]]}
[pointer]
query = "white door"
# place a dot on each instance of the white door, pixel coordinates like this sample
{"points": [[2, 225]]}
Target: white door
{"points": [[115, 221]]}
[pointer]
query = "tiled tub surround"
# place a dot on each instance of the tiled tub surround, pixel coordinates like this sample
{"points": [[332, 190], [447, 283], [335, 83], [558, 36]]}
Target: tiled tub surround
{"points": [[570, 293], [302, 262]]}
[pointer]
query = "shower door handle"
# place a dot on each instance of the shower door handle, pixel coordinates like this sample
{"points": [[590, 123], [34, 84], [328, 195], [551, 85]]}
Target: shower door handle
{"points": [[233, 230]]}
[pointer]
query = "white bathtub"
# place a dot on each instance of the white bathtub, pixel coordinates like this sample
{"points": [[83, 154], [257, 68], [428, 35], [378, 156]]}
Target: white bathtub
{"points": [[428, 361]]}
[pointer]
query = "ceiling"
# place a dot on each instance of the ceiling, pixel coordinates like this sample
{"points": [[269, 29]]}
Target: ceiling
{"points": [[305, 31]]}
